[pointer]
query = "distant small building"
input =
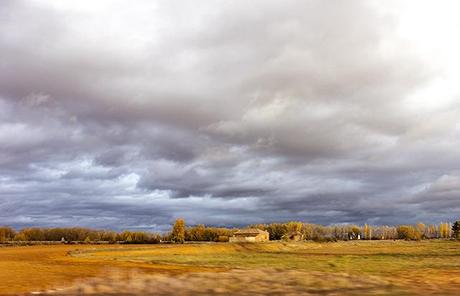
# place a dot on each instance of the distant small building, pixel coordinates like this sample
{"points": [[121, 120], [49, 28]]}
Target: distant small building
{"points": [[354, 236], [293, 236], [250, 235]]}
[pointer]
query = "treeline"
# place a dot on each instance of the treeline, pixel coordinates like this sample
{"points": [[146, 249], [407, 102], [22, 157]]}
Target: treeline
{"points": [[277, 231], [317, 232], [202, 233], [305, 231], [77, 234]]}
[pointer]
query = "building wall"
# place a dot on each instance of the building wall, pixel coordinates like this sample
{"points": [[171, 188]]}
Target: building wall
{"points": [[262, 237], [249, 239], [242, 239]]}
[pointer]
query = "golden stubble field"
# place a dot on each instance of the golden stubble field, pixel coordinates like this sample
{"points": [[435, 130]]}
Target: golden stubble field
{"points": [[342, 268]]}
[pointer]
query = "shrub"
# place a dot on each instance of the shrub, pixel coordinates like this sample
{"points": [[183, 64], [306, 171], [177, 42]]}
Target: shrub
{"points": [[223, 239], [408, 232]]}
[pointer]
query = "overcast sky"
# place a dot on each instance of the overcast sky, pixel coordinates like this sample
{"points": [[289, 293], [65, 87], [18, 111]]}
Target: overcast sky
{"points": [[129, 114]]}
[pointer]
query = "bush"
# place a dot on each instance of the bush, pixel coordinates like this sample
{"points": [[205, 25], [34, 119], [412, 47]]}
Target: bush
{"points": [[223, 239], [408, 232]]}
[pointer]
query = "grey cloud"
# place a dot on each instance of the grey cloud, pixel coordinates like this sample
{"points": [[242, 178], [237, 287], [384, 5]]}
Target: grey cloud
{"points": [[222, 112]]}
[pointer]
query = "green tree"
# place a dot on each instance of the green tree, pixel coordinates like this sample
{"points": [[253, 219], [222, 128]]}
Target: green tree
{"points": [[456, 229], [276, 230], [178, 231]]}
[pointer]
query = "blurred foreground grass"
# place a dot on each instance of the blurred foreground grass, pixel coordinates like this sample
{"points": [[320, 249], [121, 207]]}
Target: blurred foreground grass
{"points": [[274, 268], [233, 282]]}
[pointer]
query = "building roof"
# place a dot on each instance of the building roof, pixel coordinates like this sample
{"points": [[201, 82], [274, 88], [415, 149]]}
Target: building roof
{"points": [[250, 231]]}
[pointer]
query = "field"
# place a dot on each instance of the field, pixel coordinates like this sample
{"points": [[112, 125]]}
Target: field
{"points": [[342, 268]]}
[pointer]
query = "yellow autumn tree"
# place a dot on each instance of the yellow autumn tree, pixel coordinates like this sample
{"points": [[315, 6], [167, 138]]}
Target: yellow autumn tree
{"points": [[178, 231], [367, 232], [444, 230]]}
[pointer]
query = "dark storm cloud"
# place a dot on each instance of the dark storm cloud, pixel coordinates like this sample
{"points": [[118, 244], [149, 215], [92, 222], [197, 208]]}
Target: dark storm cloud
{"points": [[221, 112]]}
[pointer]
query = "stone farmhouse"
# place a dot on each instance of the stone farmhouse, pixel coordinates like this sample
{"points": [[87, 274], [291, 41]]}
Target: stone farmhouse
{"points": [[250, 235]]}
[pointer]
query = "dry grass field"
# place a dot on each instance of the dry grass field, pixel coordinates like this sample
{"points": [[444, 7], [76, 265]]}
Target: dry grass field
{"points": [[342, 268]]}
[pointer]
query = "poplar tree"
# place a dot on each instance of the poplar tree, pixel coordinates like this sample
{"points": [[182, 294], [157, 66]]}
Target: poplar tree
{"points": [[444, 230], [178, 231], [421, 228], [367, 231]]}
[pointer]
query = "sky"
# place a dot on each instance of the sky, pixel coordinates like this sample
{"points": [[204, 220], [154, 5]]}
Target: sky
{"points": [[130, 114]]}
